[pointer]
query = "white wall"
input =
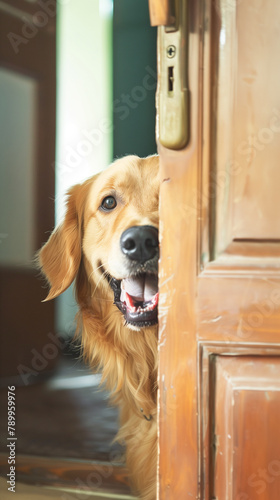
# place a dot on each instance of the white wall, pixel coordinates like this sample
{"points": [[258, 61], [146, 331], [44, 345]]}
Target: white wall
{"points": [[84, 106]]}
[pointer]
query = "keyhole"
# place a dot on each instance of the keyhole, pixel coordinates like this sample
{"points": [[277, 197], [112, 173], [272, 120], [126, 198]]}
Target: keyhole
{"points": [[170, 79]]}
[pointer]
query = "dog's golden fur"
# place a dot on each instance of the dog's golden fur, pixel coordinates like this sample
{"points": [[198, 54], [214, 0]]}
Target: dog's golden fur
{"points": [[127, 357]]}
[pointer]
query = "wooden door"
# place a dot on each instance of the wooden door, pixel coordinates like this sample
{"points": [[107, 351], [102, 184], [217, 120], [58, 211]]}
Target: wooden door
{"points": [[27, 152], [219, 312]]}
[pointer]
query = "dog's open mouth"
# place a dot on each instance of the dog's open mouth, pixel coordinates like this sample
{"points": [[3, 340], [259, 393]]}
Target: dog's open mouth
{"points": [[137, 298]]}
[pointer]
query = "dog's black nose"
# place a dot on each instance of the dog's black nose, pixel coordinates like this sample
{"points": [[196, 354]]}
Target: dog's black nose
{"points": [[140, 243]]}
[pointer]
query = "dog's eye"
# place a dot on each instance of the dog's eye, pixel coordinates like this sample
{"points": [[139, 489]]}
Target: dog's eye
{"points": [[109, 203]]}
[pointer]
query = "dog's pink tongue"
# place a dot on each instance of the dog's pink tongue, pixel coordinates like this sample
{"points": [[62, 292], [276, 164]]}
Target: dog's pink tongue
{"points": [[142, 288]]}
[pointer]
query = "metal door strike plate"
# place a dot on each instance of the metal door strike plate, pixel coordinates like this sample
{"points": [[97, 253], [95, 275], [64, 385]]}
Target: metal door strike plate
{"points": [[172, 93]]}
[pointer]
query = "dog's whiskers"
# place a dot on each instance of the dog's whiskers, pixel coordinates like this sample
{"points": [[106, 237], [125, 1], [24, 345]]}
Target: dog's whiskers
{"points": [[104, 274], [96, 269], [97, 284], [99, 267]]}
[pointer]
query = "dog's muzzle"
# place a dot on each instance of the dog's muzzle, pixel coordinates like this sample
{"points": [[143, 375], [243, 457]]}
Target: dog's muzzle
{"points": [[136, 296]]}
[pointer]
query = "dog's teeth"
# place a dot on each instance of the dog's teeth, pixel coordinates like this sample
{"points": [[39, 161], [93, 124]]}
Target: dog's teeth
{"points": [[131, 301], [151, 287], [134, 287], [122, 297], [141, 288]]}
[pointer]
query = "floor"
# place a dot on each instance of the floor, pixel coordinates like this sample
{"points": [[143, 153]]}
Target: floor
{"points": [[27, 492], [65, 417]]}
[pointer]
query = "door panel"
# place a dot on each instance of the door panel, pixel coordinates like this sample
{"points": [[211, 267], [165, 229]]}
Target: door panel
{"points": [[233, 306], [219, 311], [19, 97], [28, 93], [246, 145], [246, 409]]}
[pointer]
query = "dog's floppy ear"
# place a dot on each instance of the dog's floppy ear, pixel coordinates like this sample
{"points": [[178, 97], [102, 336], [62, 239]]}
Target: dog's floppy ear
{"points": [[60, 257]]}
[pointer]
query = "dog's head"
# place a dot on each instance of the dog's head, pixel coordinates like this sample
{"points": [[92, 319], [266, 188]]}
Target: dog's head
{"points": [[109, 241]]}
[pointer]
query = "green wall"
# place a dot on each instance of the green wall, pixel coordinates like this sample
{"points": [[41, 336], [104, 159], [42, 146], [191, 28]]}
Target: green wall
{"points": [[134, 79]]}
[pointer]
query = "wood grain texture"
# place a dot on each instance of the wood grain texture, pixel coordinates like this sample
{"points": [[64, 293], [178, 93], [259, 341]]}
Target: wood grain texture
{"points": [[219, 273], [161, 12], [239, 307], [246, 144], [238, 299], [178, 452], [215, 414], [246, 431]]}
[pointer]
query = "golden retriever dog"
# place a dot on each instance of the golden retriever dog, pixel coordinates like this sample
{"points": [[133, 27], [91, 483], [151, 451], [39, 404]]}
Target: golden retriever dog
{"points": [[108, 244]]}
